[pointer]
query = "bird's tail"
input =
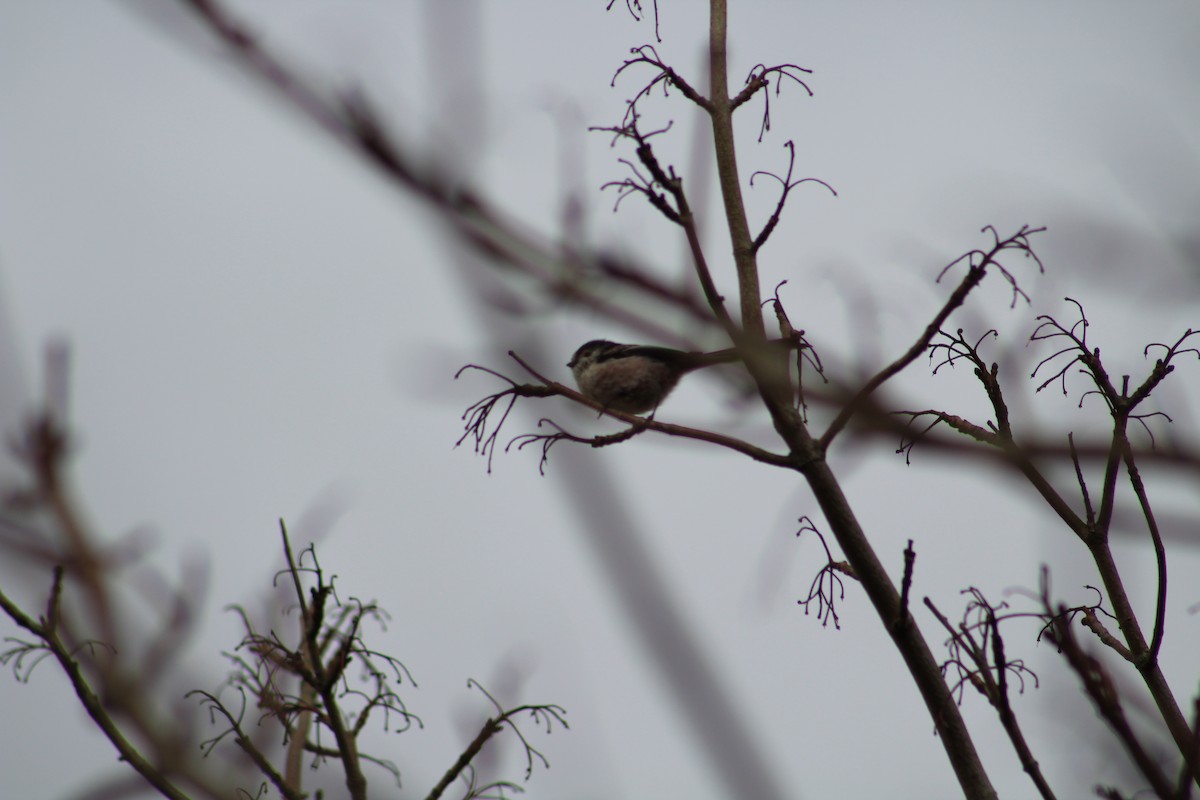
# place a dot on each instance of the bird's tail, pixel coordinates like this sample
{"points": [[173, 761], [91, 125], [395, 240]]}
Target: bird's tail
{"points": [[733, 354]]}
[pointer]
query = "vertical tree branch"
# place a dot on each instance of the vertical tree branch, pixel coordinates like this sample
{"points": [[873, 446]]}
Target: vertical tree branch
{"points": [[923, 667], [809, 456], [324, 678], [1160, 554], [721, 114]]}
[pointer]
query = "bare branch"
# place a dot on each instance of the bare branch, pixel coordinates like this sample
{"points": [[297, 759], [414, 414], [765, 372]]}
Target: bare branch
{"points": [[1103, 692], [977, 640], [757, 80], [634, 7], [787, 185], [665, 75], [546, 715], [827, 587], [478, 415], [978, 262]]}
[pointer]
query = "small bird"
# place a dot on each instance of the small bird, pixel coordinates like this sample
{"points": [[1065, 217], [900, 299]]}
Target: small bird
{"points": [[636, 378]]}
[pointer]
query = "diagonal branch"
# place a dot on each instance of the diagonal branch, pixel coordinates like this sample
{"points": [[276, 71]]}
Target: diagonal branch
{"points": [[47, 632], [788, 184], [1103, 692], [667, 76], [978, 263]]}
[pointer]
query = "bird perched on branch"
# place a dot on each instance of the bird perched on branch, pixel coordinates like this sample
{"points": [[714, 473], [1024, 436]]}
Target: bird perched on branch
{"points": [[636, 378]]}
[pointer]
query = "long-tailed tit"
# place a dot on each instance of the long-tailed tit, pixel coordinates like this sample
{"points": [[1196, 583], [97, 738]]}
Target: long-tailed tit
{"points": [[636, 378]]}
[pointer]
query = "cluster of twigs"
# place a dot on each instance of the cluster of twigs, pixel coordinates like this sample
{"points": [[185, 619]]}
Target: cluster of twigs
{"points": [[327, 684], [827, 587], [305, 688], [1090, 516]]}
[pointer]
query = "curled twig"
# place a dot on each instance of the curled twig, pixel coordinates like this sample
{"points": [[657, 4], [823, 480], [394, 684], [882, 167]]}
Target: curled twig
{"points": [[976, 649], [548, 440], [804, 350], [787, 185], [979, 260], [545, 715], [827, 587], [977, 656], [665, 76], [757, 80], [479, 414], [307, 686], [634, 7], [1121, 403], [1078, 351], [957, 348]]}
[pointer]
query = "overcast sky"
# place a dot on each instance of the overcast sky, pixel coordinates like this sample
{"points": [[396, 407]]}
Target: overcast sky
{"points": [[262, 328]]}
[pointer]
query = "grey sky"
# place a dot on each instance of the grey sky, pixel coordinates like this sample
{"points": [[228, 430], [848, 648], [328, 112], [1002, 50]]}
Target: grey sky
{"points": [[261, 328]]}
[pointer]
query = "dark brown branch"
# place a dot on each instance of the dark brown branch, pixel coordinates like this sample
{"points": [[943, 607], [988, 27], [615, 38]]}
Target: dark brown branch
{"points": [[1093, 623], [1160, 555], [787, 185], [1036, 448], [978, 263], [320, 675], [808, 453], [989, 672], [805, 353], [1121, 404], [1103, 692], [1083, 490], [547, 440], [547, 714], [910, 558], [681, 214], [646, 54], [757, 453], [757, 80], [998, 434], [976, 432]]}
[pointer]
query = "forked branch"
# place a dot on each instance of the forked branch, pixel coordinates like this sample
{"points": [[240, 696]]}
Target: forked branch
{"points": [[827, 587], [758, 80], [664, 76], [485, 432], [978, 262], [787, 184], [977, 656], [545, 715], [1103, 692]]}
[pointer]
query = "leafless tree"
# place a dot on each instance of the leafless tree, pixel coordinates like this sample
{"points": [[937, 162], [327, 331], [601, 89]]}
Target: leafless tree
{"points": [[814, 406]]}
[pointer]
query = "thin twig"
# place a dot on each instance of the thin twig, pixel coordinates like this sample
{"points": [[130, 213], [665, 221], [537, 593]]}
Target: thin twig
{"points": [[978, 264]]}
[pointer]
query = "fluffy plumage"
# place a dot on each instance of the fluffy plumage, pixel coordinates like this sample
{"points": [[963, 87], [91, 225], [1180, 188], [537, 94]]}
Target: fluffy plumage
{"points": [[636, 378]]}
